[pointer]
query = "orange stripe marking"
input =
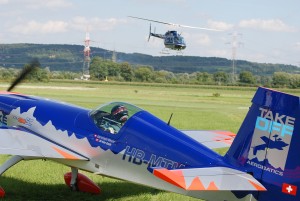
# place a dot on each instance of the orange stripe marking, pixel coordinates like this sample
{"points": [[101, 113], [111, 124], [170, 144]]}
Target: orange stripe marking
{"points": [[257, 186], [196, 185], [176, 178], [228, 133], [212, 187], [65, 154], [226, 136]]}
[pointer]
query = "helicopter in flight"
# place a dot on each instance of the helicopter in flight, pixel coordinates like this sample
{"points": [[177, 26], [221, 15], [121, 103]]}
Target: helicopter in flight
{"points": [[172, 39]]}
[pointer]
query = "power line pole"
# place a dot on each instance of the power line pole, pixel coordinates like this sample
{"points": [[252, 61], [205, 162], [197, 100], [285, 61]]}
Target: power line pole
{"points": [[114, 56], [87, 58], [234, 45]]}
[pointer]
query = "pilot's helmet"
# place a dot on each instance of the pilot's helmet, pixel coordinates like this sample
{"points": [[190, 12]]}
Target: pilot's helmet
{"points": [[120, 113]]}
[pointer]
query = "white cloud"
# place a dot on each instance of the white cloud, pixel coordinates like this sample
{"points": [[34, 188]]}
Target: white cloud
{"points": [[201, 39], [34, 27], [53, 4], [58, 4], [197, 39], [3, 2], [81, 23], [181, 2], [269, 25], [220, 25], [37, 4], [297, 46]]}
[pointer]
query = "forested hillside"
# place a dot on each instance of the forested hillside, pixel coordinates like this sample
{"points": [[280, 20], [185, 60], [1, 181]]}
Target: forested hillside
{"points": [[70, 58]]}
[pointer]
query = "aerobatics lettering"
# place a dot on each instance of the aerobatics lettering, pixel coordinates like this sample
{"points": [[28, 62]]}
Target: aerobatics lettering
{"points": [[137, 156], [265, 168]]}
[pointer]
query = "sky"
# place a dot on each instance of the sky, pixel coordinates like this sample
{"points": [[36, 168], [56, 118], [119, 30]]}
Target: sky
{"points": [[259, 31]]}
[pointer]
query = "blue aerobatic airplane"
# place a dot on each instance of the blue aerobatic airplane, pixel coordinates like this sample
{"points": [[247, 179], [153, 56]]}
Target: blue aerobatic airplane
{"points": [[123, 141]]}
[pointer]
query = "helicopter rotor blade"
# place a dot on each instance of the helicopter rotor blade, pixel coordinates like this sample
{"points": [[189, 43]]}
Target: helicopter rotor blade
{"points": [[150, 20], [202, 28], [26, 70], [176, 25]]}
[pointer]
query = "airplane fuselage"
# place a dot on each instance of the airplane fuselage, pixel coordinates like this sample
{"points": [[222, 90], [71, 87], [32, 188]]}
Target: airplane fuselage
{"points": [[143, 143], [144, 149]]}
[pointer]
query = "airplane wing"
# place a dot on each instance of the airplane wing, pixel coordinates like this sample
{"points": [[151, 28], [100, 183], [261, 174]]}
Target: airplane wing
{"points": [[212, 139], [209, 179], [24, 142]]}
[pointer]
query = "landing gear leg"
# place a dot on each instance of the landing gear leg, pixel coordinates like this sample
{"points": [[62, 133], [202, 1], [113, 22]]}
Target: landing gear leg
{"points": [[9, 163], [5, 166], [74, 175]]}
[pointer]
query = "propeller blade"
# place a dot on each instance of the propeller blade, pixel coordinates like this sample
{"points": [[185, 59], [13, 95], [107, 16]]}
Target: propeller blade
{"points": [[176, 25], [26, 70]]}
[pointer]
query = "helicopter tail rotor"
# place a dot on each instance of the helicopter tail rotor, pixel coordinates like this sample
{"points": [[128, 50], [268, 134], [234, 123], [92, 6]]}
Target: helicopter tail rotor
{"points": [[149, 33]]}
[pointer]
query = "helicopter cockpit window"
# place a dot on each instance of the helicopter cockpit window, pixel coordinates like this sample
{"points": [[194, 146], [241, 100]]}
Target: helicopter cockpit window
{"points": [[180, 40], [112, 116]]}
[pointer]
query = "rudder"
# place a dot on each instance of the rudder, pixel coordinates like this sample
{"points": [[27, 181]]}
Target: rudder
{"points": [[267, 144]]}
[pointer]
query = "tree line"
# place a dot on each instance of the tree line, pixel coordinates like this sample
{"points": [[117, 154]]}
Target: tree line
{"points": [[102, 69], [70, 58]]}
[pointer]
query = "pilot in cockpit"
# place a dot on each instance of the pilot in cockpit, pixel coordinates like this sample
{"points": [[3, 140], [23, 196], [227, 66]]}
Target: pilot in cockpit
{"points": [[114, 121]]}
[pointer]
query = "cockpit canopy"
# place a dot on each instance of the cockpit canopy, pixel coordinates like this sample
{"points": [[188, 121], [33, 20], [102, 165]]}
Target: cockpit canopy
{"points": [[112, 116]]}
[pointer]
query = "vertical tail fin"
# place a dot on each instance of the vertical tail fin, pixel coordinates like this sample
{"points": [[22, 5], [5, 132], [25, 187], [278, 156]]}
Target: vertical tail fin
{"points": [[268, 144]]}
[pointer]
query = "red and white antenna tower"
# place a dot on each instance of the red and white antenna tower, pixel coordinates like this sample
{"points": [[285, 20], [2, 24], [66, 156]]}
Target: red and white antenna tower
{"points": [[87, 58]]}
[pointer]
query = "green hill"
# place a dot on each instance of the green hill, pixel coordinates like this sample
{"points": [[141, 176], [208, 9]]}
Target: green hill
{"points": [[70, 58]]}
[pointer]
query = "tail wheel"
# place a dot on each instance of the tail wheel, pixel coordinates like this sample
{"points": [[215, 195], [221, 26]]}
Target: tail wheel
{"points": [[82, 184]]}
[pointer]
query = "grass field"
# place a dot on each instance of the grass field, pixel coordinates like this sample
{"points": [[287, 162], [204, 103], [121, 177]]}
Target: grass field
{"points": [[194, 107]]}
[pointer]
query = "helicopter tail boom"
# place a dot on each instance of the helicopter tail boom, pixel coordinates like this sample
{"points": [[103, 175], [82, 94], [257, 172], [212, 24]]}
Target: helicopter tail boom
{"points": [[161, 36]]}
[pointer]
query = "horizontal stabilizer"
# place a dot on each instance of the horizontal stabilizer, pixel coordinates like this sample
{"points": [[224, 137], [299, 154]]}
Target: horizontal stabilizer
{"points": [[209, 179], [23, 142], [211, 139]]}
